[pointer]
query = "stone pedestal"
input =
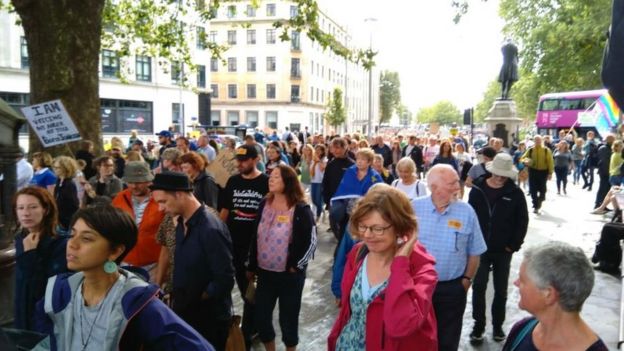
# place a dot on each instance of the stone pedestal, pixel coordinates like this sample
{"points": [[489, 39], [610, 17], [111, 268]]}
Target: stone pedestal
{"points": [[502, 121]]}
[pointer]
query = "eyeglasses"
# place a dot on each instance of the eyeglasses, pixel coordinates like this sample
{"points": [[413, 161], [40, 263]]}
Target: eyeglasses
{"points": [[375, 230]]}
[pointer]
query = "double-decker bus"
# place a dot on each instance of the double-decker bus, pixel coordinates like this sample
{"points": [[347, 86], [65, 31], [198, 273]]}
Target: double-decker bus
{"points": [[559, 111]]}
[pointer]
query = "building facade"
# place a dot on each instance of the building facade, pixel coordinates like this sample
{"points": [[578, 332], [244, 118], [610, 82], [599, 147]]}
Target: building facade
{"points": [[151, 100], [268, 83]]}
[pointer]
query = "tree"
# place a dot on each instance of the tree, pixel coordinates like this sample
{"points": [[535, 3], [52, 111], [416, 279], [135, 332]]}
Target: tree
{"points": [[335, 114], [492, 92], [65, 37], [442, 112], [389, 95]]}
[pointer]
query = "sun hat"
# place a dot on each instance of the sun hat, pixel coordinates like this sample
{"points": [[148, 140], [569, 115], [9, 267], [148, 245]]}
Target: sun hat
{"points": [[137, 172], [503, 166]]}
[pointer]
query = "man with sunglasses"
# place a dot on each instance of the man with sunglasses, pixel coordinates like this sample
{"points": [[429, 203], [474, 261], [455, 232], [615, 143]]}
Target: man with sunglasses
{"points": [[503, 216], [450, 232]]}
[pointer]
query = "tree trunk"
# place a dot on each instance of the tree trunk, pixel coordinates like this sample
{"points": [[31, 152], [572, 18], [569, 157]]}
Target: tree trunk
{"points": [[63, 48]]}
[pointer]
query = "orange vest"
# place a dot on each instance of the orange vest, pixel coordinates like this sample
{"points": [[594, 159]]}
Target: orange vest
{"points": [[146, 250]]}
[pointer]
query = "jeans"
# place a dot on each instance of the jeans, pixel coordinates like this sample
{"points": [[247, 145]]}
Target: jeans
{"points": [[288, 288], [499, 262], [587, 173], [577, 171], [317, 197], [537, 186], [561, 173]]}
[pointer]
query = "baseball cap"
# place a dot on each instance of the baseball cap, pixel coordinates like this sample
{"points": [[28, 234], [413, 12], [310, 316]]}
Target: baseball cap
{"points": [[487, 151], [245, 152], [165, 133]]}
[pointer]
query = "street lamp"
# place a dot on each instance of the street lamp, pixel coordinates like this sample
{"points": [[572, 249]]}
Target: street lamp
{"points": [[371, 20]]}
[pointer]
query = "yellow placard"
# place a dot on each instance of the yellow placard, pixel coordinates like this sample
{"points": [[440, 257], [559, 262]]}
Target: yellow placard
{"points": [[455, 224]]}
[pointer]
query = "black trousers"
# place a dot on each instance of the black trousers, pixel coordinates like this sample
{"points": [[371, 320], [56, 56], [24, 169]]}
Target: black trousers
{"points": [[537, 186], [240, 254], [499, 263], [603, 189], [449, 303]]}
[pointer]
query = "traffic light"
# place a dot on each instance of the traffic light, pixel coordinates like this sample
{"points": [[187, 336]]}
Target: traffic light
{"points": [[468, 116]]}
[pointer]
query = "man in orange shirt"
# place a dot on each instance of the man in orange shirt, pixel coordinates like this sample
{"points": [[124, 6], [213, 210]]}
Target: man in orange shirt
{"points": [[138, 202]]}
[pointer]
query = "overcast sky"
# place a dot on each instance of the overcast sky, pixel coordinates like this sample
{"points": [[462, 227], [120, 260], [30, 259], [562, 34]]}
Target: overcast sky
{"points": [[436, 59]]}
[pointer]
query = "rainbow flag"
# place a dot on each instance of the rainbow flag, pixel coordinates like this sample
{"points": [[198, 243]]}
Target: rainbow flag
{"points": [[607, 113]]}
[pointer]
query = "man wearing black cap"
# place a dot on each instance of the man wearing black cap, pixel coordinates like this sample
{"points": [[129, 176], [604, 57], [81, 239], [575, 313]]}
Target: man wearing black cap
{"points": [[164, 139], [203, 272], [487, 154], [239, 209]]}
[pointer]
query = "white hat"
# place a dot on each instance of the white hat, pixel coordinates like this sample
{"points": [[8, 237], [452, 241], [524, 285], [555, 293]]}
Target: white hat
{"points": [[503, 166]]}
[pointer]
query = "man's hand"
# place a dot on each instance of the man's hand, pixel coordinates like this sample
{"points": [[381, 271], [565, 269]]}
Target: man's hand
{"points": [[550, 176], [251, 276], [466, 283], [337, 302]]}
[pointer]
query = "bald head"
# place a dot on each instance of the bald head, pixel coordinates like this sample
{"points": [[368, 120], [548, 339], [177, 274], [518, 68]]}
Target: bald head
{"points": [[443, 181]]}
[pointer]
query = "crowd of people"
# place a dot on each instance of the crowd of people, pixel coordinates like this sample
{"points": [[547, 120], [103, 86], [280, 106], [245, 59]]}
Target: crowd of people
{"points": [[140, 247]]}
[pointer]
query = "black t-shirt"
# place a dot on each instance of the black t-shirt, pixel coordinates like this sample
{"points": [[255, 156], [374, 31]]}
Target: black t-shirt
{"points": [[242, 198], [491, 193]]}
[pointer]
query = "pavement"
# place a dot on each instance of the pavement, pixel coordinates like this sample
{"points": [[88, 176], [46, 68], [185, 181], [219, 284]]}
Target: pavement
{"points": [[563, 217]]}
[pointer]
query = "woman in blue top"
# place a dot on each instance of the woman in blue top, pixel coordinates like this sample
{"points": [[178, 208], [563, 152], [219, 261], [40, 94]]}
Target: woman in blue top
{"points": [[43, 176], [554, 281], [40, 252]]}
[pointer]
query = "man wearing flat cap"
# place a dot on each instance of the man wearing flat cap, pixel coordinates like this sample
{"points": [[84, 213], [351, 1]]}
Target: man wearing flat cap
{"points": [[203, 273], [503, 217], [137, 201]]}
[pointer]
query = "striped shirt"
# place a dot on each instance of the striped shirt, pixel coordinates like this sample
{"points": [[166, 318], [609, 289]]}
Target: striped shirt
{"points": [[139, 208], [450, 237]]}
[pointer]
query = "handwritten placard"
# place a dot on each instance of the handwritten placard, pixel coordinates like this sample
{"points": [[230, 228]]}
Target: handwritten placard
{"points": [[224, 166], [51, 123]]}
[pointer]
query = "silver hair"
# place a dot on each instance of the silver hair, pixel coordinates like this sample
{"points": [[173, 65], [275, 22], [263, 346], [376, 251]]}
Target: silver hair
{"points": [[433, 176], [563, 267]]}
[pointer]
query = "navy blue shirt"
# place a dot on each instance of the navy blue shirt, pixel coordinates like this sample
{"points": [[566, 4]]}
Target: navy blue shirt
{"points": [[203, 263]]}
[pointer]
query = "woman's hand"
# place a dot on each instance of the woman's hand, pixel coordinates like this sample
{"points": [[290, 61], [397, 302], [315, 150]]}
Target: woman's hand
{"points": [[31, 241], [406, 248]]}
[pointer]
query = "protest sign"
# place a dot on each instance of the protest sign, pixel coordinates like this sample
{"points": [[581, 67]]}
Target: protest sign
{"points": [[224, 166], [51, 123]]}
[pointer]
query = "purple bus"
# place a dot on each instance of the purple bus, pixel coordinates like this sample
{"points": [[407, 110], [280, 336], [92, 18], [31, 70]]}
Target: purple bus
{"points": [[557, 111]]}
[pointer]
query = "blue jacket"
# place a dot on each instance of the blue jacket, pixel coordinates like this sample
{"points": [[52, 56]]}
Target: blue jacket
{"points": [[145, 323], [32, 270], [345, 246], [351, 187]]}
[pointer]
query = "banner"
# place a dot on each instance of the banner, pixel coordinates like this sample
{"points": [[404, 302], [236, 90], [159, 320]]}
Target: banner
{"points": [[51, 123], [224, 166]]}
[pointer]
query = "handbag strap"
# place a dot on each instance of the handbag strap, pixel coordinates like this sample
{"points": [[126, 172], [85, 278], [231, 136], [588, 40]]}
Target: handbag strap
{"points": [[523, 333]]}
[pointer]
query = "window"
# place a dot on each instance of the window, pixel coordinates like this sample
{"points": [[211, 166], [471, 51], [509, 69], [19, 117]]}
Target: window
{"points": [[270, 91], [251, 11], [295, 68], [294, 11], [214, 64], [294, 93], [201, 76], [143, 68], [270, 10], [123, 116], [231, 37], [311, 94], [213, 36], [215, 117], [177, 115], [317, 94], [201, 38], [233, 118], [251, 36], [270, 64], [232, 93], [231, 64], [251, 91], [231, 11], [251, 117], [295, 40], [24, 53], [215, 90], [270, 36], [251, 64], [271, 119], [110, 64], [312, 67], [176, 72]]}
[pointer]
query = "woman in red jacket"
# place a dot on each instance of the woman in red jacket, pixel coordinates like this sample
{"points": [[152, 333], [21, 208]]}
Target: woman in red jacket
{"points": [[388, 280]]}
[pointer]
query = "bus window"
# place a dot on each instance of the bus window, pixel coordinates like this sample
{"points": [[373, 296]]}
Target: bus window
{"points": [[569, 104], [549, 105]]}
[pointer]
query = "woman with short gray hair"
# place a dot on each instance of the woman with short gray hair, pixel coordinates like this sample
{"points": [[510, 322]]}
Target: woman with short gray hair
{"points": [[555, 280]]}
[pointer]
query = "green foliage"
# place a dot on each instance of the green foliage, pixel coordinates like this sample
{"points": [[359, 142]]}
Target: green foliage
{"points": [[492, 92], [389, 95], [335, 114], [526, 95], [442, 112]]}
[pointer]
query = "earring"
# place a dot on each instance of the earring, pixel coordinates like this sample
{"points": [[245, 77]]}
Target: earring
{"points": [[110, 267]]}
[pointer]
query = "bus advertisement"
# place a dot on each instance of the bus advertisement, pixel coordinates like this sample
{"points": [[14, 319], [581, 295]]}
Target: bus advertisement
{"points": [[559, 111]]}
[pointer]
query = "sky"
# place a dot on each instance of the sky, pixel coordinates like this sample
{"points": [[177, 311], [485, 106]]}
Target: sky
{"points": [[436, 58]]}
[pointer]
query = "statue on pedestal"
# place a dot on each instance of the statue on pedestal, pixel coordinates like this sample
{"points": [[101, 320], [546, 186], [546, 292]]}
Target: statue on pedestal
{"points": [[509, 72]]}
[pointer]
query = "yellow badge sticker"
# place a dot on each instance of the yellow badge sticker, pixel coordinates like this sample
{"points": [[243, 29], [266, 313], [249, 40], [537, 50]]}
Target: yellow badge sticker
{"points": [[455, 224], [283, 219]]}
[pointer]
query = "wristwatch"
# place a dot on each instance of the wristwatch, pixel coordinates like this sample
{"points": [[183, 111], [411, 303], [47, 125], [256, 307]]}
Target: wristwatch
{"points": [[467, 278]]}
